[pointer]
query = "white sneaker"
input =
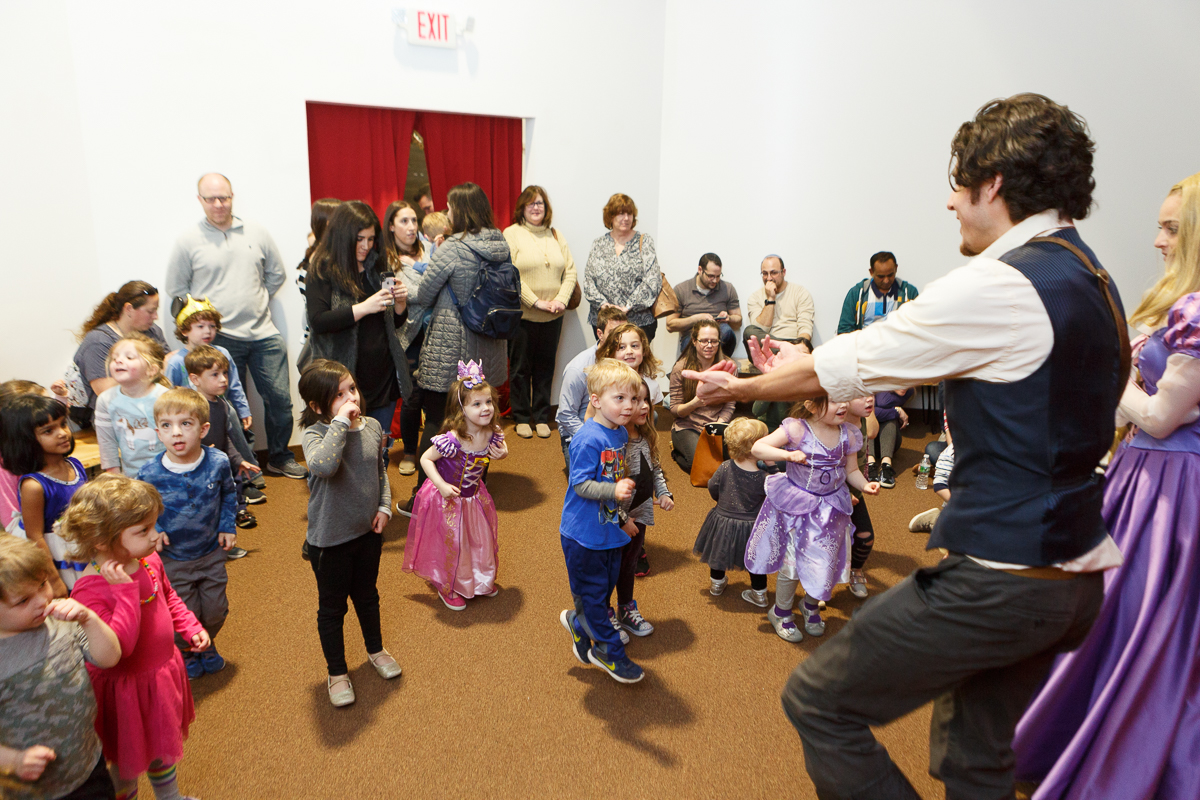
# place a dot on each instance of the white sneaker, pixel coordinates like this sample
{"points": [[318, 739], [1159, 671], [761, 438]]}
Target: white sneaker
{"points": [[612, 618], [923, 522], [718, 586], [858, 583]]}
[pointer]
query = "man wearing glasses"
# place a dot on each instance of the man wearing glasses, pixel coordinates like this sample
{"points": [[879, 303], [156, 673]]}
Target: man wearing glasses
{"points": [[703, 298], [236, 265], [780, 309]]}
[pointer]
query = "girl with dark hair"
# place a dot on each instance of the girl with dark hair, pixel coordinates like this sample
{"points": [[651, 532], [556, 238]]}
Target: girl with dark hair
{"points": [[131, 309], [354, 317], [453, 272], [547, 281], [36, 443]]}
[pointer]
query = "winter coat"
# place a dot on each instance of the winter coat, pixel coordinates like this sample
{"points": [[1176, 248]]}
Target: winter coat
{"points": [[448, 341]]}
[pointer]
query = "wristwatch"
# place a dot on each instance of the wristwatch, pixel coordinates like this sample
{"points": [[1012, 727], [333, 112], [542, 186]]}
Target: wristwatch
{"points": [[769, 303]]}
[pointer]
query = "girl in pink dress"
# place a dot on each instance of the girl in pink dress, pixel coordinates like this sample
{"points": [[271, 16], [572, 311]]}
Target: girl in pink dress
{"points": [[144, 703], [452, 537]]}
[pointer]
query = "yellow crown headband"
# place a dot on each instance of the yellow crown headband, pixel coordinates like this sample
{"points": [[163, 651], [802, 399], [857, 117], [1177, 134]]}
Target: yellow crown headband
{"points": [[193, 306]]}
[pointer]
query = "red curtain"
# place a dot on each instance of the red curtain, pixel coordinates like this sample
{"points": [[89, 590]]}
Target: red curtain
{"points": [[361, 153], [484, 150], [358, 153]]}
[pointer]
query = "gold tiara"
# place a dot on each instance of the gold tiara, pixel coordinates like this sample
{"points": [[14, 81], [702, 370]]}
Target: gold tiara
{"points": [[193, 306]]}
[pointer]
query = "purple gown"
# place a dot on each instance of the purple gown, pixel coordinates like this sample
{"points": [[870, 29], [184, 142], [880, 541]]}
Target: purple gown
{"points": [[452, 543], [803, 528], [1120, 716]]}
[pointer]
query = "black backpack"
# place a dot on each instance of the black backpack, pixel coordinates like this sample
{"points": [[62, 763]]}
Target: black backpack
{"points": [[494, 307]]}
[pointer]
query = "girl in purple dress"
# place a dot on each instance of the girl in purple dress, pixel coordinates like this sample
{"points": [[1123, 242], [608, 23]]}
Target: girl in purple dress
{"points": [[452, 536], [1120, 716], [803, 529]]}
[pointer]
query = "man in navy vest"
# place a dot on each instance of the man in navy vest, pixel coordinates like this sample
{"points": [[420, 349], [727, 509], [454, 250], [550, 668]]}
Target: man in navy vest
{"points": [[1031, 346]]}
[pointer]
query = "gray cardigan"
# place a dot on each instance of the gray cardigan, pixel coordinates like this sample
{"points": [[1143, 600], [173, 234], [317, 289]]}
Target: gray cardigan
{"points": [[347, 480], [448, 341]]}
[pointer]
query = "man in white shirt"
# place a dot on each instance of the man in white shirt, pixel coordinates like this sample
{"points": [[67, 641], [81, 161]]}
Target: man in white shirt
{"points": [[1032, 344], [782, 310]]}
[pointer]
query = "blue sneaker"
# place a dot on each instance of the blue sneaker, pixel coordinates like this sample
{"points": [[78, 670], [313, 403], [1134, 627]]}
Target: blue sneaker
{"points": [[623, 671], [211, 660], [580, 644], [191, 662]]}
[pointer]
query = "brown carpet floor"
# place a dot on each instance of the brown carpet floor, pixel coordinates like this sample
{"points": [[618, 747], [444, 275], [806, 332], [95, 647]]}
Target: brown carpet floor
{"points": [[492, 703]]}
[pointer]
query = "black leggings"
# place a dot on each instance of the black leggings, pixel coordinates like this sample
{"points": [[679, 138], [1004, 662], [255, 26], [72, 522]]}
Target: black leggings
{"points": [[347, 570], [864, 535], [757, 582], [434, 406], [629, 557]]}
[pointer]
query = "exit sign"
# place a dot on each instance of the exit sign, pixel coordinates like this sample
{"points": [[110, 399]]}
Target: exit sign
{"points": [[430, 28]]}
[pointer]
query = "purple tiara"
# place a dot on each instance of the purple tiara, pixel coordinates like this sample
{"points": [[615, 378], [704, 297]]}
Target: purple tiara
{"points": [[470, 373]]}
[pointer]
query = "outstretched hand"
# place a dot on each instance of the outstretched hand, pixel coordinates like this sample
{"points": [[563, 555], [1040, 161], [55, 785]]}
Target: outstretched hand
{"points": [[714, 386], [772, 353]]}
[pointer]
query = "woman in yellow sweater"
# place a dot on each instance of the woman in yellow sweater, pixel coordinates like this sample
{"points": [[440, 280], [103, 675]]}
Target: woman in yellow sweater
{"points": [[547, 270]]}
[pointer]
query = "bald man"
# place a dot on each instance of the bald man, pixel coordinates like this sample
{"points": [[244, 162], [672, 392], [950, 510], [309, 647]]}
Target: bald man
{"points": [[236, 265]]}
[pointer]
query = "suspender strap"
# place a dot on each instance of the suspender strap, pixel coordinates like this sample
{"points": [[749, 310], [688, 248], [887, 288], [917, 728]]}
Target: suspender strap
{"points": [[1104, 280]]}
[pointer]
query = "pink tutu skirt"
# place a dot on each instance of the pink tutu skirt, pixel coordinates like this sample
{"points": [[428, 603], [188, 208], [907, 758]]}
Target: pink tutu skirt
{"points": [[452, 543]]}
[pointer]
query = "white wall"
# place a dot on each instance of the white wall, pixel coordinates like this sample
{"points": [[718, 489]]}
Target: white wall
{"points": [[821, 131], [124, 106]]}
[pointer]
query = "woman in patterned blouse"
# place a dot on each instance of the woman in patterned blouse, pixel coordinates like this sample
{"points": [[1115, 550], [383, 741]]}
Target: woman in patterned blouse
{"points": [[622, 268]]}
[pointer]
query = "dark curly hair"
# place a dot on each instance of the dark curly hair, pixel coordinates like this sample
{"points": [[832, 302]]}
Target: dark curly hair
{"points": [[1042, 150]]}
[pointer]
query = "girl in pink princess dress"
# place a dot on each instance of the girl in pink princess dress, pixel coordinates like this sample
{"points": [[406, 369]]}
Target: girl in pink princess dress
{"points": [[803, 528], [143, 704], [452, 537]]}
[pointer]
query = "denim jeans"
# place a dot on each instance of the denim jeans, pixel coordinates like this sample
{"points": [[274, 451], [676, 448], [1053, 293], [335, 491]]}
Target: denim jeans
{"points": [[266, 361]]}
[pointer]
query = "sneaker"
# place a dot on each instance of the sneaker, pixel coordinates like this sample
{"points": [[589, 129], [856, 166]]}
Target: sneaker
{"points": [[643, 566], [211, 660], [453, 601], [304, 550], [405, 509], [632, 620], [755, 597], [253, 496], [887, 477], [858, 583], [258, 482], [287, 467], [524, 431], [580, 644], [622, 671], [343, 694], [785, 626], [543, 430], [407, 465], [612, 618], [813, 624], [873, 472], [923, 522], [718, 586], [246, 520], [191, 663], [234, 553]]}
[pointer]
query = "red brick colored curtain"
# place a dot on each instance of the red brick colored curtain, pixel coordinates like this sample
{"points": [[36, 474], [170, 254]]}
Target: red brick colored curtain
{"points": [[358, 152], [484, 150]]}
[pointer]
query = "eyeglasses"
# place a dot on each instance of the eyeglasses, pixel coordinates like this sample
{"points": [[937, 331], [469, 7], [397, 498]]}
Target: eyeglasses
{"points": [[708, 342], [217, 199], [535, 204]]}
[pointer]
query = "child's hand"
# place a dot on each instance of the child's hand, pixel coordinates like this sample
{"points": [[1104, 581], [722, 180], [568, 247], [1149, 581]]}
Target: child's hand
{"points": [[33, 762], [871, 488], [350, 410], [380, 522], [629, 528], [247, 422], [114, 573], [201, 642], [853, 500], [59, 388], [498, 451], [227, 540], [625, 488], [163, 541], [665, 502], [249, 469], [447, 491], [796, 457], [67, 610]]}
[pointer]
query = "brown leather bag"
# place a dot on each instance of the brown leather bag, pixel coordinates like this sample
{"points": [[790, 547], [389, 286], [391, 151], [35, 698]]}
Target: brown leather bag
{"points": [[667, 302], [710, 452]]}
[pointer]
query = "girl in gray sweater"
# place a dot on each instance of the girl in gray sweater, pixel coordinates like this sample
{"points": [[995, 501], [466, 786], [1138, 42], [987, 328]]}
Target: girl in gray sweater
{"points": [[348, 508]]}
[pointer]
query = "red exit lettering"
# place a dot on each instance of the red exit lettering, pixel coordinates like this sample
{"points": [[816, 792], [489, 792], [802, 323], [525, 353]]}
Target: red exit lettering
{"points": [[432, 26]]}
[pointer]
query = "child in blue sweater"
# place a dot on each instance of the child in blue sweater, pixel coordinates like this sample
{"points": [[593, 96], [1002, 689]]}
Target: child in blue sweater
{"points": [[199, 508], [592, 539]]}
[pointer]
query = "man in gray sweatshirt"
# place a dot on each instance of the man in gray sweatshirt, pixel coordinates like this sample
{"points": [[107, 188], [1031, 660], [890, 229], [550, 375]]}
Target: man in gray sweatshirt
{"points": [[236, 265]]}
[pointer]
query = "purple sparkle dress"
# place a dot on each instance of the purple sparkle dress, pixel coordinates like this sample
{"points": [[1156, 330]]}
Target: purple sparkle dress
{"points": [[1120, 716], [803, 528], [452, 543]]}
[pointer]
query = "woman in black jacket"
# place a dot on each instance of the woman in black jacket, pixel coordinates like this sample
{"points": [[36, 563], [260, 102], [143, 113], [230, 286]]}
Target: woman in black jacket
{"points": [[354, 319]]}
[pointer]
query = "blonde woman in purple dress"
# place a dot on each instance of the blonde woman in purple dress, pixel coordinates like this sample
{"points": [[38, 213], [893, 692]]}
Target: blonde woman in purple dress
{"points": [[1120, 716]]}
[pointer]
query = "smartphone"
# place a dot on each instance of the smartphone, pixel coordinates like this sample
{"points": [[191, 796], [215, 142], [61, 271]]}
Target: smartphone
{"points": [[389, 282]]}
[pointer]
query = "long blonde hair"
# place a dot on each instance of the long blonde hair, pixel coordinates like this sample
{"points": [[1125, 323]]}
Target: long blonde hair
{"points": [[1182, 275]]}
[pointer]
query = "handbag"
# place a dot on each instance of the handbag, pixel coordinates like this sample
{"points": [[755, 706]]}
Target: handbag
{"points": [[667, 302], [710, 452]]}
